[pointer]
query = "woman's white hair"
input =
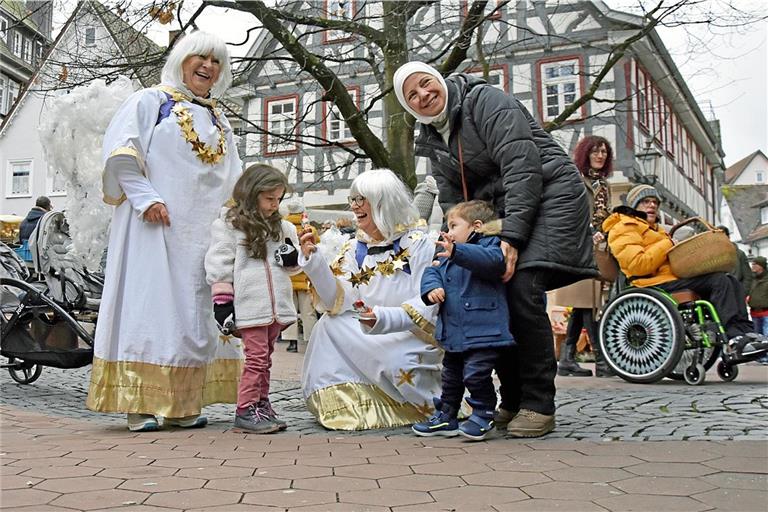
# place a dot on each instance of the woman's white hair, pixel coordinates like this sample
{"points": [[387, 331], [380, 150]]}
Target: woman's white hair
{"points": [[198, 43], [390, 200]]}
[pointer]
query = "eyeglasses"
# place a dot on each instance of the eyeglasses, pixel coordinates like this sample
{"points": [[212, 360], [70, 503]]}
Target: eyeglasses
{"points": [[649, 201], [600, 151], [356, 201]]}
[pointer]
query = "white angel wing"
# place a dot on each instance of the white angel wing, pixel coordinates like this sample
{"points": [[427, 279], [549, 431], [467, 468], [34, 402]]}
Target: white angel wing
{"points": [[71, 132]]}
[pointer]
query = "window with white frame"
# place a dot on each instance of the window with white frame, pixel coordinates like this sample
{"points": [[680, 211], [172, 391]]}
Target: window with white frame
{"points": [[26, 50], [496, 77], [337, 129], [764, 215], [281, 123], [338, 10], [13, 92], [3, 29], [38, 50], [3, 110], [20, 174], [90, 36], [17, 43], [759, 176], [560, 86]]}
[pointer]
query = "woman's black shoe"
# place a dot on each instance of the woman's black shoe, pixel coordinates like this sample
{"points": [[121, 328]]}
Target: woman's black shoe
{"points": [[292, 346]]}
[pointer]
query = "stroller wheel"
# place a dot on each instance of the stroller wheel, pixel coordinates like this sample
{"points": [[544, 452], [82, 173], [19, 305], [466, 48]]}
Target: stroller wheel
{"points": [[25, 373], [694, 375], [727, 372]]}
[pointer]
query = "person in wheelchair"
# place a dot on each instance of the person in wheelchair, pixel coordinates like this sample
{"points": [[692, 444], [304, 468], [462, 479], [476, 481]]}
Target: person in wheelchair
{"points": [[640, 246]]}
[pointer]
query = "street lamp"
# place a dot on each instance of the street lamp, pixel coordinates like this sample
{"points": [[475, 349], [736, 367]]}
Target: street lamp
{"points": [[649, 157]]}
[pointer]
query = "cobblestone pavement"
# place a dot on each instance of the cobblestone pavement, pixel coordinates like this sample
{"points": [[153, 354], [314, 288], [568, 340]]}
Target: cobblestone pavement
{"points": [[703, 449], [588, 408]]}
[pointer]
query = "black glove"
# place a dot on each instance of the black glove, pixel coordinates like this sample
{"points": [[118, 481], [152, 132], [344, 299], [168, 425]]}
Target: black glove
{"points": [[225, 317], [286, 255]]}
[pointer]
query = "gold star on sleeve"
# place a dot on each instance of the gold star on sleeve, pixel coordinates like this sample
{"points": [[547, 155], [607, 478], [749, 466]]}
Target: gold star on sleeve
{"points": [[405, 377], [225, 339], [426, 409], [399, 264], [366, 274], [416, 235]]}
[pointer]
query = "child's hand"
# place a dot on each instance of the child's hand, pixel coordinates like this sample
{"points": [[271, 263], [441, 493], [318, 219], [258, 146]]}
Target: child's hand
{"points": [[307, 242], [447, 244], [436, 296]]}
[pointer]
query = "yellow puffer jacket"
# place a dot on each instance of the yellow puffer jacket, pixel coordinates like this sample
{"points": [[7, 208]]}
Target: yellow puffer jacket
{"points": [[640, 249], [300, 281]]}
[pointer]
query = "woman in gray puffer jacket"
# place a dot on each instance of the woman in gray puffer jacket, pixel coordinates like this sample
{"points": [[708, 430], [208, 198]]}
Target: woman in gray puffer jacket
{"points": [[483, 144]]}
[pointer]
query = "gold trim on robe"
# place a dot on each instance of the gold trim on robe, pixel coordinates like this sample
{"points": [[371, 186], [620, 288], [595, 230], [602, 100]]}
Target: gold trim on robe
{"points": [[128, 151], [424, 330], [171, 392], [354, 406]]}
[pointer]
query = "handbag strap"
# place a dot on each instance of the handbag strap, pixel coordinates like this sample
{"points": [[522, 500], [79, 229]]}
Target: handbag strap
{"points": [[461, 169]]}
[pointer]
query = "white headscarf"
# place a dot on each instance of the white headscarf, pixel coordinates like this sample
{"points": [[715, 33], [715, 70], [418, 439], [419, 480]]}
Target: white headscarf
{"points": [[406, 70]]}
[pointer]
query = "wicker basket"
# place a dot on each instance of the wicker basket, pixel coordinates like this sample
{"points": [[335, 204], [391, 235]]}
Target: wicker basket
{"points": [[707, 252]]}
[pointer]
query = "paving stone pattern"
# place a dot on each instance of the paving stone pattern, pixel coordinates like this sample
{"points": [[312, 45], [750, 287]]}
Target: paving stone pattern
{"points": [[614, 411]]}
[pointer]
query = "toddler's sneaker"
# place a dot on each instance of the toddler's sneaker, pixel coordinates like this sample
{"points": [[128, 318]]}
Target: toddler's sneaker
{"points": [[477, 428], [266, 406], [255, 420], [441, 424]]}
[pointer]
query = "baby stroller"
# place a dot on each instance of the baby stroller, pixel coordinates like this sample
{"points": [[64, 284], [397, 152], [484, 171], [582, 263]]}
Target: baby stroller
{"points": [[47, 323]]}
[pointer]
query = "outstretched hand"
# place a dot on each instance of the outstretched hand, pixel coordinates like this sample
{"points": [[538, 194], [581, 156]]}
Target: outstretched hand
{"points": [[307, 242], [157, 214], [447, 244], [436, 296]]}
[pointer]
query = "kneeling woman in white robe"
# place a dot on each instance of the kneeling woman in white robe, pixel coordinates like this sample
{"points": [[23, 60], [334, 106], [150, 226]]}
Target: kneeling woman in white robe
{"points": [[386, 376]]}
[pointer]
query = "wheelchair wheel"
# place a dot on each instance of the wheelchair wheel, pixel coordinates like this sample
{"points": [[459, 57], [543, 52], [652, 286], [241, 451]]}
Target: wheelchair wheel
{"points": [[642, 335], [727, 372], [24, 373], [695, 375], [711, 355]]}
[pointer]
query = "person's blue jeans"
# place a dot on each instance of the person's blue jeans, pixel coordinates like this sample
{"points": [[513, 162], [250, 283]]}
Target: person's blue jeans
{"points": [[761, 324]]}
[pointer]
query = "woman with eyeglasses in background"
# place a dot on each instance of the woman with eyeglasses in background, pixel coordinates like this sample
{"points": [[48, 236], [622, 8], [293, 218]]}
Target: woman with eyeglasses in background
{"points": [[593, 157], [371, 361]]}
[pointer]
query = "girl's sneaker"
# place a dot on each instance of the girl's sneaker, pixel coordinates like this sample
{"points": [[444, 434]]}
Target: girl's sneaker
{"points": [[477, 428], [255, 419], [441, 424], [270, 412]]}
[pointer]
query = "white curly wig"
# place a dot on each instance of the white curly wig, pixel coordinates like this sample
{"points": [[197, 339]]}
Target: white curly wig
{"points": [[390, 200], [198, 43]]}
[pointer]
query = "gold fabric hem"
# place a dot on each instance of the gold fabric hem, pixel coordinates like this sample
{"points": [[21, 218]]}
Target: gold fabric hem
{"points": [[355, 406], [171, 392]]}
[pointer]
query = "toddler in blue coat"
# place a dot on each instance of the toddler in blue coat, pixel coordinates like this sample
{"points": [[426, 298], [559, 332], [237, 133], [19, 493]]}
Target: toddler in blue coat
{"points": [[473, 325]]}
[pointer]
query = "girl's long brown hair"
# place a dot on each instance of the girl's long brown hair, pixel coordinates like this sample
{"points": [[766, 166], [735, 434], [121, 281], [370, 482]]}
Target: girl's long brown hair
{"points": [[246, 216]]}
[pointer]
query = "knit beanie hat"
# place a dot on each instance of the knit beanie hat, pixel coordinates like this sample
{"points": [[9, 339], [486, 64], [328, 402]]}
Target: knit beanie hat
{"points": [[760, 260], [640, 192], [406, 70]]}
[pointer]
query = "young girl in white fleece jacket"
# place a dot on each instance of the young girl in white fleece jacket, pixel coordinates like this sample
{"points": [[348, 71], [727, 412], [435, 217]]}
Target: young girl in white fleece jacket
{"points": [[250, 282]]}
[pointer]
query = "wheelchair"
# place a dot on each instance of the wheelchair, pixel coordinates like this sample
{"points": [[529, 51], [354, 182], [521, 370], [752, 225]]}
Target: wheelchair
{"points": [[646, 334]]}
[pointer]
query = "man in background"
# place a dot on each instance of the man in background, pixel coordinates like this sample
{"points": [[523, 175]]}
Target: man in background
{"points": [[742, 272], [28, 225]]}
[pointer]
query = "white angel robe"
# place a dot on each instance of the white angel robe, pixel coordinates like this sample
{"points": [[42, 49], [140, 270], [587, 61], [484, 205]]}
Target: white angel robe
{"points": [[354, 380], [157, 349]]}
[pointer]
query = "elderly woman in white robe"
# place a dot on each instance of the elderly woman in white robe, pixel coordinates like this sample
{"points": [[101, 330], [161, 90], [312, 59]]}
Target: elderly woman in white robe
{"points": [[383, 371], [170, 165]]}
